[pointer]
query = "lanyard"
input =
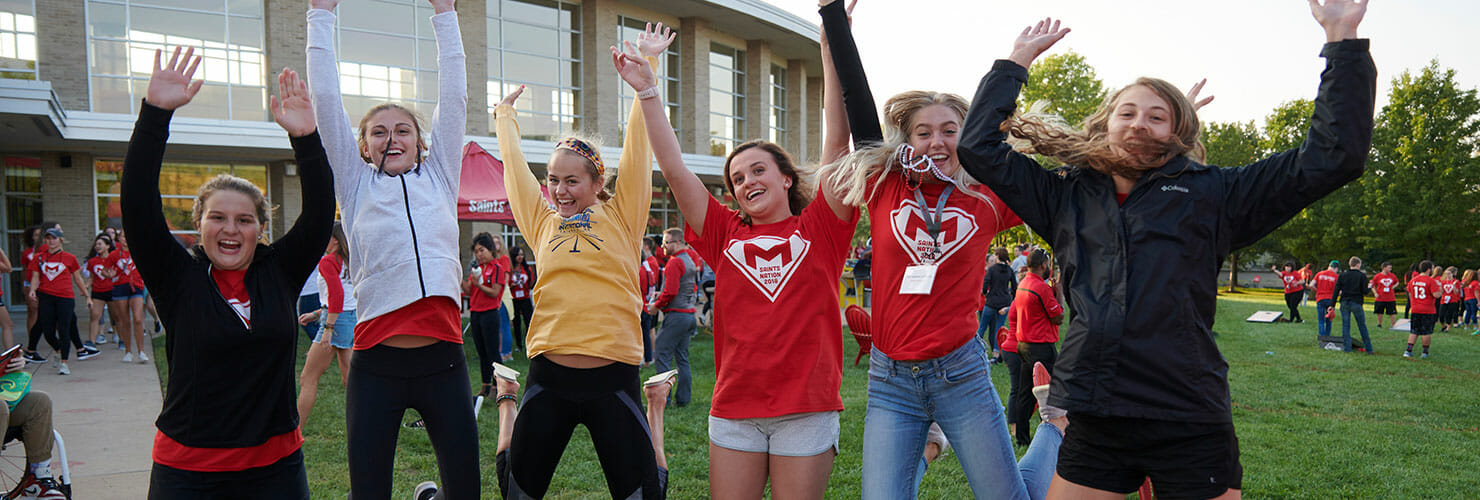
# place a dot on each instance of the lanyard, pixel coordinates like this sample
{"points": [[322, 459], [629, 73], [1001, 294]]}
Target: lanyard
{"points": [[933, 220]]}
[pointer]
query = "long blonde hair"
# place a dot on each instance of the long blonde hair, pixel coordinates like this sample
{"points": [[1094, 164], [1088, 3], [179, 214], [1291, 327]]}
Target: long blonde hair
{"points": [[877, 160], [1089, 145]]}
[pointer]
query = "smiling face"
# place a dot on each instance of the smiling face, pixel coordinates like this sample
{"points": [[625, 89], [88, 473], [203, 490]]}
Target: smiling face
{"points": [[390, 135], [933, 132], [1139, 125], [760, 186], [229, 228], [572, 186], [100, 246]]}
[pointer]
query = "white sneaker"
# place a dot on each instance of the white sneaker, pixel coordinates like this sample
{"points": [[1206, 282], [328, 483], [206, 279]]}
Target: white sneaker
{"points": [[425, 491], [128, 358], [143, 358], [62, 369]]}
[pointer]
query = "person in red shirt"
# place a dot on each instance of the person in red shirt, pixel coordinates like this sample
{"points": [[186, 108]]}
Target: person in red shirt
{"points": [[1037, 313], [1450, 298], [32, 241], [53, 272], [1422, 292], [649, 278], [1307, 277], [1325, 288], [335, 339], [98, 270], [521, 284], [1384, 292], [485, 296], [130, 291], [1294, 290], [1471, 287]]}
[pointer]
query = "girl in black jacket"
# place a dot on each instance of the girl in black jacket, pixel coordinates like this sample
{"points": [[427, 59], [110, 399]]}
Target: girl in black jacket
{"points": [[229, 427]]}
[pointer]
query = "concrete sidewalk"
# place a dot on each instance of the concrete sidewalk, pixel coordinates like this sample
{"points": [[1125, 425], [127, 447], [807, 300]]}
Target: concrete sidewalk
{"points": [[105, 412]]}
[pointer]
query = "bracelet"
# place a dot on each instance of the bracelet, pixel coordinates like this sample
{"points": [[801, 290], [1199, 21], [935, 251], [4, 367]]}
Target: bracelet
{"points": [[502, 397], [648, 93]]}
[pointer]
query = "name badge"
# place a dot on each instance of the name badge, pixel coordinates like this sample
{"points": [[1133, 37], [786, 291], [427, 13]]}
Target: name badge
{"points": [[918, 280]]}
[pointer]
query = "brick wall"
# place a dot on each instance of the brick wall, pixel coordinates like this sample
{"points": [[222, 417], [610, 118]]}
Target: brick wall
{"points": [[61, 50]]}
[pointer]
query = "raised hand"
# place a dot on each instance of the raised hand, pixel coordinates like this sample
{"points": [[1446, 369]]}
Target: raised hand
{"points": [[654, 40], [1192, 96], [440, 6], [293, 112], [323, 4], [1035, 40], [1339, 17], [633, 69], [513, 96], [170, 86]]}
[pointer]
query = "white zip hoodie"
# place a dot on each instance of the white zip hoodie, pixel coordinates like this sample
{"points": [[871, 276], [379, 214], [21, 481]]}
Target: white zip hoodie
{"points": [[403, 228]]}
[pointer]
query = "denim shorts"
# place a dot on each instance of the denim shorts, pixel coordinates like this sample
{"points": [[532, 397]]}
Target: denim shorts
{"points": [[344, 331], [794, 435], [126, 291]]}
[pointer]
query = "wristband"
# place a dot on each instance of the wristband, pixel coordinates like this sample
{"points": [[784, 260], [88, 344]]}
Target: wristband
{"points": [[648, 93], [502, 397]]}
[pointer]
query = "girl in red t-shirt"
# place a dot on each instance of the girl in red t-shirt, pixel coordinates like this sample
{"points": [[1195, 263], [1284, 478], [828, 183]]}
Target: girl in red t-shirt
{"points": [[485, 295], [130, 291], [100, 276], [521, 283], [335, 341], [53, 273], [32, 240], [1471, 288], [1294, 290], [1450, 297]]}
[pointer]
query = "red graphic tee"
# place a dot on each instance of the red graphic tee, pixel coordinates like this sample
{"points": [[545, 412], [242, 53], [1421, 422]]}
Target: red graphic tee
{"points": [[1384, 287], [489, 274], [519, 282], [1472, 290], [919, 327], [1325, 285], [1421, 293], [233, 287], [1449, 291], [1292, 280], [96, 267], [56, 272], [777, 350]]}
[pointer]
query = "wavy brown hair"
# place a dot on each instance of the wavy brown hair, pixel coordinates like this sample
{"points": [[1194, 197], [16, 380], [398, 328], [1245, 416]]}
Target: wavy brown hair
{"points": [[797, 196], [1089, 145]]}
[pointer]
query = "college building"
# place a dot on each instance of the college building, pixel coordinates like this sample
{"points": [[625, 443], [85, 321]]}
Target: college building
{"points": [[73, 74]]}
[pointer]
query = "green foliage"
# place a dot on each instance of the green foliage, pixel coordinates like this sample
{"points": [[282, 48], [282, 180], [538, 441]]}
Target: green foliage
{"points": [[1328, 228], [1231, 145], [1067, 84]]}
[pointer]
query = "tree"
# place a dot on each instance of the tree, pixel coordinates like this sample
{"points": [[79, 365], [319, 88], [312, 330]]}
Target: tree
{"points": [[1327, 228], [1066, 85], [1232, 145]]}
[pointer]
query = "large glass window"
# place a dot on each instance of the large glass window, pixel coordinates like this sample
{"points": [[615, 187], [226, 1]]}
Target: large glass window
{"points": [[387, 53], [18, 39], [668, 83], [777, 126], [536, 43], [178, 183], [22, 209], [726, 98], [664, 212], [228, 35]]}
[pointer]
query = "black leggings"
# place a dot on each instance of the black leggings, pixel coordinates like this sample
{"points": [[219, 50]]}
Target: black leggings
{"points": [[1030, 353], [607, 401], [1292, 300], [284, 478], [523, 311], [1016, 386], [483, 328], [433, 380], [53, 317]]}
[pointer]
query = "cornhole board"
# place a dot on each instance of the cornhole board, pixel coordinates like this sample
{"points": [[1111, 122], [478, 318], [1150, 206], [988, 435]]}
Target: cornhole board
{"points": [[1402, 325], [1333, 343], [1264, 317]]}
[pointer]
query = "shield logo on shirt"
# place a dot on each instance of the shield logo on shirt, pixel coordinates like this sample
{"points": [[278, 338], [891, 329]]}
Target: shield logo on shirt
{"points": [[243, 310], [957, 226], [768, 261], [52, 269], [126, 265]]}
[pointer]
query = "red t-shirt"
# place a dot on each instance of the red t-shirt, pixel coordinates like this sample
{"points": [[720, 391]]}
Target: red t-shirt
{"points": [[1384, 287], [437, 317], [1421, 293], [489, 274], [330, 270], [1009, 341], [1325, 284], [1472, 290], [910, 327], [1449, 291], [171, 453], [1292, 281], [26, 256], [100, 282], [520, 282], [1033, 311], [777, 350], [56, 272], [653, 268], [125, 264], [233, 287]]}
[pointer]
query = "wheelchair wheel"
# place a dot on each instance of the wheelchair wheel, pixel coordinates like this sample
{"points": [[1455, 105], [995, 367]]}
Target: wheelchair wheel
{"points": [[14, 473]]}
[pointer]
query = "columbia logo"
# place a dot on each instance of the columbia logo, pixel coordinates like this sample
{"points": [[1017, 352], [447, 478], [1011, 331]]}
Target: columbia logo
{"points": [[1174, 187]]}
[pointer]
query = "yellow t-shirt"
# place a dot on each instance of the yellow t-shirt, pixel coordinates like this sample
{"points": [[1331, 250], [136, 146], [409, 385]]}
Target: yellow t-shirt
{"points": [[586, 300]]}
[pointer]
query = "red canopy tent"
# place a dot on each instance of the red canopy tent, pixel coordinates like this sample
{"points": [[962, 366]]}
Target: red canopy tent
{"points": [[481, 195]]}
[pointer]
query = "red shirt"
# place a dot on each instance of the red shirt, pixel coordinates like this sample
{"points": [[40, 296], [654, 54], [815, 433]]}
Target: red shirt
{"points": [[437, 317], [56, 272], [1292, 281], [1325, 285], [1009, 341], [330, 269], [652, 266], [919, 327], [1033, 306], [520, 282], [125, 264], [673, 275], [1421, 293], [171, 453], [233, 287], [26, 256], [777, 348], [1383, 287], [1449, 291], [100, 282], [1472, 290], [489, 274]]}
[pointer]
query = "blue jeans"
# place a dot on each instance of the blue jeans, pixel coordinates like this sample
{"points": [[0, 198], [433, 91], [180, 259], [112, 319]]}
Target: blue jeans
{"points": [[1470, 309], [307, 304], [506, 336], [988, 324], [673, 347], [1323, 325], [955, 391], [1351, 308]]}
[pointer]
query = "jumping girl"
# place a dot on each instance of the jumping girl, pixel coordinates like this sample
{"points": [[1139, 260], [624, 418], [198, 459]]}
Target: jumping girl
{"points": [[228, 427], [334, 341], [584, 345], [398, 198], [1139, 362]]}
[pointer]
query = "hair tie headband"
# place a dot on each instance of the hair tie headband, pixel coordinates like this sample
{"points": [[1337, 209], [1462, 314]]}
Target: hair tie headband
{"points": [[579, 147]]}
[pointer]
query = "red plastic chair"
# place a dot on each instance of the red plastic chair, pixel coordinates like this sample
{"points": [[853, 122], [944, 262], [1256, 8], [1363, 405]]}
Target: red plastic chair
{"points": [[858, 323]]}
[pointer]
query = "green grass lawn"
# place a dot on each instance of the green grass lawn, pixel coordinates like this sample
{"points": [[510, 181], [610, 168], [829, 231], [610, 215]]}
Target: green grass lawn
{"points": [[1311, 423]]}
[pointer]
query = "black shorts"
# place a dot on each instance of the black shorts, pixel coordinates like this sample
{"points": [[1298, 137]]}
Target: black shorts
{"points": [[1423, 324], [1387, 307], [1183, 459], [103, 296]]}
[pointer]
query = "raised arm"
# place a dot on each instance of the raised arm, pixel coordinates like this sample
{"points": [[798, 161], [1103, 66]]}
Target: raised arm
{"points": [[637, 71], [631, 197], [305, 241], [335, 132], [450, 119], [863, 117], [835, 140], [156, 253], [525, 201]]}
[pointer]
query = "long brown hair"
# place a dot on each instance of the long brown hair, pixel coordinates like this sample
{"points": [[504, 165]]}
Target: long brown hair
{"points": [[343, 251], [1089, 145], [797, 196]]}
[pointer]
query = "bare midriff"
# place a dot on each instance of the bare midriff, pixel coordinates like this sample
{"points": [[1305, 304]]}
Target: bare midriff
{"points": [[577, 360], [409, 341]]}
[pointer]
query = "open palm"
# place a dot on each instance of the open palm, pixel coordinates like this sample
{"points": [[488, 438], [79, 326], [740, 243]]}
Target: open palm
{"points": [[1339, 17], [293, 111], [170, 86], [633, 68], [1035, 40], [654, 40]]}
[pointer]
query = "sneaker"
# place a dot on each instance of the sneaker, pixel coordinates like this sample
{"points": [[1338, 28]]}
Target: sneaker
{"points": [[32, 357], [417, 424], [28, 486], [62, 369], [1041, 381], [1407, 354], [101, 339], [157, 326], [425, 491], [128, 357], [1423, 356], [88, 352], [48, 489], [143, 358], [937, 436]]}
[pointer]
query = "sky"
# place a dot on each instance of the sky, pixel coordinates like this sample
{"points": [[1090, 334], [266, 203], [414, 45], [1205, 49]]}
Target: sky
{"points": [[1255, 54]]}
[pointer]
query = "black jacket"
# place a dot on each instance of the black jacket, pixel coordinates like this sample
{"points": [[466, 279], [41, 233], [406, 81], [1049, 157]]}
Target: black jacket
{"points": [[1351, 285], [1000, 285], [228, 387], [1142, 276]]}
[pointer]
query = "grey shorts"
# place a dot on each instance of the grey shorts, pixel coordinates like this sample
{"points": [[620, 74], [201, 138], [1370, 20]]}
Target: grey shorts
{"points": [[794, 435]]}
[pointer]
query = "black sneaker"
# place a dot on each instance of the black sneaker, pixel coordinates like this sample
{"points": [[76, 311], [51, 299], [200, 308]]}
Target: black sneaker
{"points": [[87, 352], [32, 357], [417, 424]]}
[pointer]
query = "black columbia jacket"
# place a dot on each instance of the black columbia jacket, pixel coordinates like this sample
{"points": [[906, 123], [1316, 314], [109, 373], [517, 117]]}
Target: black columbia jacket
{"points": [[1142, 276]]}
